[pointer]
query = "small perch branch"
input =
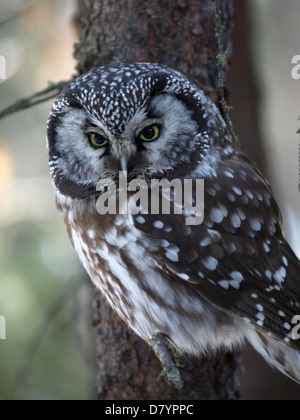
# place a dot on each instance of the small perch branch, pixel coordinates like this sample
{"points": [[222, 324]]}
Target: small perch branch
{"points": [[52, 91], [222, 59]]}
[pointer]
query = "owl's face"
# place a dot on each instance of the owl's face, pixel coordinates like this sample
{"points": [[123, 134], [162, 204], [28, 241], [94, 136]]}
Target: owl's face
{"points": [[143, 118]]}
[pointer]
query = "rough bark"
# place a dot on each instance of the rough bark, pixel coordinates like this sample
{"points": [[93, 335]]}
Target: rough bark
{"points": [[180, 34]]}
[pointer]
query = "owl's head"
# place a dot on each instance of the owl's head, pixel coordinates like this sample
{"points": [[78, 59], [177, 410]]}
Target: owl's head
{"points": [[144, 118]]}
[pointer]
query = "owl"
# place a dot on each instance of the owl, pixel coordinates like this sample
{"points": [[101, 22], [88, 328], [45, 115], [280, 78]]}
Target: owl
{"points": [[192, 287]]}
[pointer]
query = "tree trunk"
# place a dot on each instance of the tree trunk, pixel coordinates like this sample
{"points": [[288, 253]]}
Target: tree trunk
{"points": [[180, 34]]}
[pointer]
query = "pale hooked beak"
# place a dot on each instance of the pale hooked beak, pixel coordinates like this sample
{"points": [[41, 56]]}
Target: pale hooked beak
{"points": [[124, 164]]}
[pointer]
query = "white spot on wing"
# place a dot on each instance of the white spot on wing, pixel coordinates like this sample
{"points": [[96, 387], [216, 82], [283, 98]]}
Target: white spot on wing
{"points": [[206, 241], [224, 284], [235, 220], [210, 263], [172, 256], [216, 215], [158, 224], [255, 224], [140, 219], [279, 277], [183, 276], [237, 279]]}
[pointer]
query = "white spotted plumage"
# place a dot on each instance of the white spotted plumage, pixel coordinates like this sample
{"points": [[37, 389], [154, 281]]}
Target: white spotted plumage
{"points": [[206, 286]]}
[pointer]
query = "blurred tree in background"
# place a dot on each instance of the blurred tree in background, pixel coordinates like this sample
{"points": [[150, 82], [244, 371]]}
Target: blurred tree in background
{"points": [[41, 295], [49, 351]]}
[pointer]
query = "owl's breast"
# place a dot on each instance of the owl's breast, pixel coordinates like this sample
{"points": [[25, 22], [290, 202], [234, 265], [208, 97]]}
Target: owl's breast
{"points": [[122, 263]]}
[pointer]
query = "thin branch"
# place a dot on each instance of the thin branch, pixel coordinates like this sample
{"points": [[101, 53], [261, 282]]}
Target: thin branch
{"points": [[222, 59], [51, 92]]}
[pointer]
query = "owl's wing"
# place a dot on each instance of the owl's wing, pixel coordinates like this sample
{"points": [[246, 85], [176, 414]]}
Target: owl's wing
{"points": [[237, 258]]}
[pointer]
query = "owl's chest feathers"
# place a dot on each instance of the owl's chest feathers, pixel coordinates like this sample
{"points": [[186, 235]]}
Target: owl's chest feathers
{"points": [[121, 262]]}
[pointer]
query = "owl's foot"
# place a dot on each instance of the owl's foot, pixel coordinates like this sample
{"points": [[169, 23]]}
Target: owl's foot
{"points": [[170, 372]]}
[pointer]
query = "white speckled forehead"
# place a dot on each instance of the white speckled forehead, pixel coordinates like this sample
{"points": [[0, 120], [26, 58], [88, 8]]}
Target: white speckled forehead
{"points": [[114, 94]]}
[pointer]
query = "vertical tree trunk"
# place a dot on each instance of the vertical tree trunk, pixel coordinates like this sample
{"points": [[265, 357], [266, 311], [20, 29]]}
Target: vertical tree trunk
{"points": [[180, 34]]}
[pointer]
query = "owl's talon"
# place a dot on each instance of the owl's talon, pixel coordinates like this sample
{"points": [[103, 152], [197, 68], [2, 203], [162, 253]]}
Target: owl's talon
{"points": [[170, 372]]}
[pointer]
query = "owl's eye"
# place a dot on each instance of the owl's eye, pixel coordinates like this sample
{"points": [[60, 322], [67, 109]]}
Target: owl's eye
{"points": [[150, 133], [97, 140]]}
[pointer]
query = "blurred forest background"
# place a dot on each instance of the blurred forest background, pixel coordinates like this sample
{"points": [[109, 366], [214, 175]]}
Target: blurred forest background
{"points": [[44, 295]]}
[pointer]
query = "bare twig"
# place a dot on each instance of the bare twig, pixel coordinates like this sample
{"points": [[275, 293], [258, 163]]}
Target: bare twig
{"points": [[222, 58], [52, 91]]}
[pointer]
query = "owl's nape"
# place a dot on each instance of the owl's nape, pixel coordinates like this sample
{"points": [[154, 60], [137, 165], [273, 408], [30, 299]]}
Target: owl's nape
{"points": [[203, 287]]}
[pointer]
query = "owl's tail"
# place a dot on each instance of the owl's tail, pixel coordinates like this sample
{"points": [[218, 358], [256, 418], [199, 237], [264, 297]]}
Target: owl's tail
{"points": [[280, 356]]}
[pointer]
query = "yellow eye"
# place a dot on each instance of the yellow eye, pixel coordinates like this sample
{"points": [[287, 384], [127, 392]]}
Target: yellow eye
{"points": [[97, 140], [150, 133]]}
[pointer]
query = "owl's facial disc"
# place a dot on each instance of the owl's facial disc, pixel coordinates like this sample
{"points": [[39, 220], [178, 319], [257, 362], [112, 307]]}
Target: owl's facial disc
{"points": [[157, 138]]}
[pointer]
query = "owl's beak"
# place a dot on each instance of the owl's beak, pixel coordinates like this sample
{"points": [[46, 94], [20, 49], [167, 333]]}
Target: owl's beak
{"points": [[124, 164]]}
